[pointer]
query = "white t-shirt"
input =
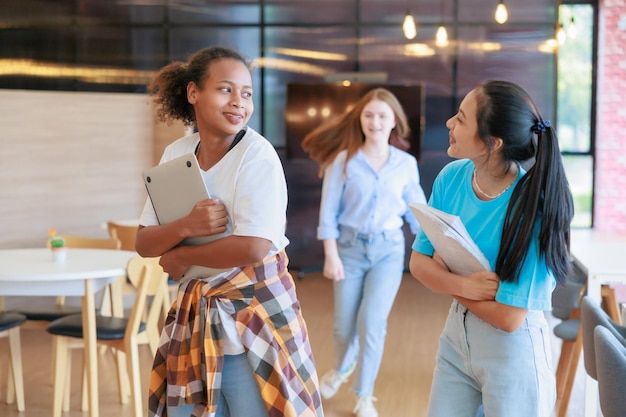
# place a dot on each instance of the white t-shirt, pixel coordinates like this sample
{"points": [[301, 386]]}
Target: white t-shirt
{"points": [[249, 180]]}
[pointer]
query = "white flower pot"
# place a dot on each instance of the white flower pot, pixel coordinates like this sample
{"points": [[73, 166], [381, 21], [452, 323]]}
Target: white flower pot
{"points": [[59, 255]]}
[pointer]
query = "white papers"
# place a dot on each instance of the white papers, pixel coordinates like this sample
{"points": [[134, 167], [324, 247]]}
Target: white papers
{"points": [[450, 239]]}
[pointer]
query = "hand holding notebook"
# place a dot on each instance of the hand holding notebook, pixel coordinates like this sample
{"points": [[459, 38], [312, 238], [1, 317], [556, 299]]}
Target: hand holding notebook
{"points": [[450, 239]]}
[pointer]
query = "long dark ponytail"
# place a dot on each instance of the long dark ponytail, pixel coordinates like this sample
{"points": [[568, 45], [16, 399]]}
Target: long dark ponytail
{"points": [[542, 198]]}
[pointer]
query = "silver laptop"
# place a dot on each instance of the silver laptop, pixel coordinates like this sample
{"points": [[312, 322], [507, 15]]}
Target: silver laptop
{"points": [[174, 187]]}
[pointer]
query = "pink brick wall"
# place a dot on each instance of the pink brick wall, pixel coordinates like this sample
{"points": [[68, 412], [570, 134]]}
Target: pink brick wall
{"points": [[610, 176]]}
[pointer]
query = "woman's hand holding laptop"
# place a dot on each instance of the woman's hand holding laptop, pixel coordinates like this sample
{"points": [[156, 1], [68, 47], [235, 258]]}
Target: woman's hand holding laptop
{"points": [[207, 217]]}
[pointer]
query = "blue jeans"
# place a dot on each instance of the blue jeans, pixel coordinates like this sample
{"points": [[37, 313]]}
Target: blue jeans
{"points": [[509, 374], [240, 393], [373, 267]]}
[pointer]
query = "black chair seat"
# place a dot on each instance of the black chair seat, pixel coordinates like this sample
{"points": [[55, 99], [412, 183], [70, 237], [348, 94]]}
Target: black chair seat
{"points": [[107, 328], [567, 330], [10, 320], [48, 313]]}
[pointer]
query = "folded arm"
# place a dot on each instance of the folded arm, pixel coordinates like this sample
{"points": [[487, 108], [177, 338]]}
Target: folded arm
{"points": [[477, 291], [228, 252], [207, 217]]}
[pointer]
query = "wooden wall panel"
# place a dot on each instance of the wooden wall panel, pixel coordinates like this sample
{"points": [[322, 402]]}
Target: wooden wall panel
{"points": [[72, 161]]}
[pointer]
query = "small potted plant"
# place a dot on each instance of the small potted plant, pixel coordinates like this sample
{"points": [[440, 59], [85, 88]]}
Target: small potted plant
{"points": [[57, 246]]}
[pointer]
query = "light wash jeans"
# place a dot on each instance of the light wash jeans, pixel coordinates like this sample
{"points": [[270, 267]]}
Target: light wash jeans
{"points": [[509, 374], [240, 392], [373, 267]]}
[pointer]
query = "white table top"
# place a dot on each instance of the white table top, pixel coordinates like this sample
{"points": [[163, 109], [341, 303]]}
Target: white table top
{"points": [[600, 253], [33, 272]]}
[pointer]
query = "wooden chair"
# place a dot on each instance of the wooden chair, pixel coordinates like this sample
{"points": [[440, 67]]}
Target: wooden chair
{"points": [[10, 328], [566, 307], [123, 335], [610, 303], [125, 233]]}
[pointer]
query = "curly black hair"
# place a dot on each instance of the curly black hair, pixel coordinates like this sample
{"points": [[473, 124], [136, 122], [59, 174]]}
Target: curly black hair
{"points": [[169, 86]]}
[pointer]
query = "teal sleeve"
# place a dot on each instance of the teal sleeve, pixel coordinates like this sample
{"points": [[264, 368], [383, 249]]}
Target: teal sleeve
{"points": [[533, 290]]}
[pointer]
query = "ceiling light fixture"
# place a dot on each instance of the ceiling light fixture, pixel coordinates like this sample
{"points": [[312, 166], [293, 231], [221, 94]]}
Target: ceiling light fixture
{"points": [[441, 38], [409, 27], [502, 14]]}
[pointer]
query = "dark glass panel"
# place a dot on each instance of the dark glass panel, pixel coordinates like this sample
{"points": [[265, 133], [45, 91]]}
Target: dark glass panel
{"points": [[92, 59], [55, 45], [514, 53], [433, 155], [483, 11], [416, 61], [29, 13], [24, 82], [227, 12], [184, 41], [293, 54], [393, 11], [125, 47], [119, 12], [308, 12]]}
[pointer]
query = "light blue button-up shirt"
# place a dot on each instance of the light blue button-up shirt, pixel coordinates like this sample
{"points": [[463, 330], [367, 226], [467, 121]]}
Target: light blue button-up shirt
{"points": [[368, 201]]}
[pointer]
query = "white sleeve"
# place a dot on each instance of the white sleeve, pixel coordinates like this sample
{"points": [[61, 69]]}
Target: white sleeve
{"points": [[260, 206], [148, 215]]}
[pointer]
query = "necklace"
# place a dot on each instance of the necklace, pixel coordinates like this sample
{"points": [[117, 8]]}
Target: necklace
{"points": [[475, 178]]}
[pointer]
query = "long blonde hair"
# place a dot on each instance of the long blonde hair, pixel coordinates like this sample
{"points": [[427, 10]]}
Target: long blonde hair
{"points": [[345, 132]]}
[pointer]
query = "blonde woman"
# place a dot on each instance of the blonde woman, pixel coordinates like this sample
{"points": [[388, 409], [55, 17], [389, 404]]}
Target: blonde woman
{"points": [[366, 189]]}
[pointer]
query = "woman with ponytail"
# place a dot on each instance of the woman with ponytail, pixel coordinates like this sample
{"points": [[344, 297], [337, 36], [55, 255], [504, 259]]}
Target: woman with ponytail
{"points": [[494, 352]]}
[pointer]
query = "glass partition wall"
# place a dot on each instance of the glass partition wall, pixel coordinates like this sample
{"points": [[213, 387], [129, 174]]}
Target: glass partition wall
{"points": [[92, 45]]}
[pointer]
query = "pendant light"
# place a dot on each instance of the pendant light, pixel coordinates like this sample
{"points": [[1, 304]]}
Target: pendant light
{"points": [[441, 38], [502, 14], [409, 27]]}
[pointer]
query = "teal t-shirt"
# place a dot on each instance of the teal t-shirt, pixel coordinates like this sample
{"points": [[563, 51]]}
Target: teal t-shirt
{"points": [[452, 192]]}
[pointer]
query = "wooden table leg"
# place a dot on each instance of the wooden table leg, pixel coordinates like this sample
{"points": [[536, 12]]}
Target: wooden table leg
{"points": [[117, 310], [89, 326]]}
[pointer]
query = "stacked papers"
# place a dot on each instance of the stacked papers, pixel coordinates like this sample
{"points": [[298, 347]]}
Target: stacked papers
{"points": [[450, 239]]}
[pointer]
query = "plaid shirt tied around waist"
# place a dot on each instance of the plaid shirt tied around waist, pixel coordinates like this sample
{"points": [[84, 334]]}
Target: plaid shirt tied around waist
{"points": [[262, 300]]}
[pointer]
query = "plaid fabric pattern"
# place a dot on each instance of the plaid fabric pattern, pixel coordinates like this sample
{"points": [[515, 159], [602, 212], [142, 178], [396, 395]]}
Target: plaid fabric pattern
{"points": [[262, 299]]}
